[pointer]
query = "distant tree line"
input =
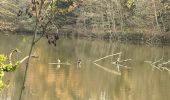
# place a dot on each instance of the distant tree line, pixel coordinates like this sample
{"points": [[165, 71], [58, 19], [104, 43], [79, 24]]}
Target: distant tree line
{"points": [[91, 16], [145, 16]]}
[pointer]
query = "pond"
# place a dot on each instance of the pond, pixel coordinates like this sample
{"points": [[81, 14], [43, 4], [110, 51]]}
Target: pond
{"points": [[86, 80]]}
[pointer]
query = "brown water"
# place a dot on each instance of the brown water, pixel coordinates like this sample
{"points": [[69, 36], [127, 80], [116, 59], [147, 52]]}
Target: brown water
{"points": [[87, 81]]}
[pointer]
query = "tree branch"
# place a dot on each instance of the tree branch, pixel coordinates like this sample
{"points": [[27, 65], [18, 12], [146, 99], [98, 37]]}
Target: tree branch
{"points": [[108, 70], [39, 38], [107, 57], [10, 55]]}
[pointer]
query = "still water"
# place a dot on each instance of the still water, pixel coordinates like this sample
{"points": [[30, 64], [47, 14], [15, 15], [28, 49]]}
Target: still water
{"points": [[86, 81]]}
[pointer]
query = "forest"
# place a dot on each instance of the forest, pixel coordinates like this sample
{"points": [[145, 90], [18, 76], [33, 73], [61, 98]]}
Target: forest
{"points": [[84, 49], [117, 19]]}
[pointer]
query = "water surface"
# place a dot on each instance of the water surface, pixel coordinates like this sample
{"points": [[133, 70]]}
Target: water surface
{"points": [[88, 81]]}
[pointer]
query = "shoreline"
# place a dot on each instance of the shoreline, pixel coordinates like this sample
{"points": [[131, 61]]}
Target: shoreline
{"points": [[134, 38]]}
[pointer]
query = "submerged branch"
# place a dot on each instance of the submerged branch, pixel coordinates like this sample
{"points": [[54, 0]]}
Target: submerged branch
{"points": [[107, 56], [125, 60], [153, 66], [160, 65], [164, 63], [165, 68], [59, 63], [108, 70], [157, 61], [22, 60], [117, 62]]}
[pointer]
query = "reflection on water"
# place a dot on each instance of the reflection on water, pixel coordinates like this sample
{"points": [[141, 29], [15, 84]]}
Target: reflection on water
{"points": [[49, 82]]}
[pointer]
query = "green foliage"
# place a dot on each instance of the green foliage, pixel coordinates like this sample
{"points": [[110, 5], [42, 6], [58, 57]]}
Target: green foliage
{"points": [[5, 68], [130, 3], [63, 4], [2, 58]]}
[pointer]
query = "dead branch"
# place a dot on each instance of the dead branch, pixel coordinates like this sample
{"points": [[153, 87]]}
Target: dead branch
{"points": [[164, 63], [158, 65], [22, 60], [125, 60], [10, 55], [108, 70], [59, 63], [107, 57], [117, 62]]}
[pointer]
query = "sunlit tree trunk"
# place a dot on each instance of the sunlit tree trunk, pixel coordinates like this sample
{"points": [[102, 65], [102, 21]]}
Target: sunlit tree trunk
{"points": [[155, 14]]}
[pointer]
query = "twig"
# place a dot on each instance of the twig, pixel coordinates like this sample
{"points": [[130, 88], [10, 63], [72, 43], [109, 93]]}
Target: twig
{"points": [[39, 38], [30, 51], [44, 29], [107, 57], [29, 57], [108, 70]]}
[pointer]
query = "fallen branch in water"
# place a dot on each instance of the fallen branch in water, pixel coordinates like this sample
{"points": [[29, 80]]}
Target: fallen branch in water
{"points": [[59, 63], [107, 56], [108, 70], [156, 64], [125, 60], [117, 62], [25, 58], [22, 60], [164, 63], [165, 68]]}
